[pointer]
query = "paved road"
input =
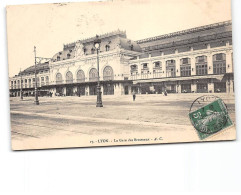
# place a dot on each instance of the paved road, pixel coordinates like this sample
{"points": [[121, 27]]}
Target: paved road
{"points": [[73, 117]]}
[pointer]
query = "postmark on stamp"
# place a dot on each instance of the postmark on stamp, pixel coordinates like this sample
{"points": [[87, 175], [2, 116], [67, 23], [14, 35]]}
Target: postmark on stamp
{"points": [[209, 115]]}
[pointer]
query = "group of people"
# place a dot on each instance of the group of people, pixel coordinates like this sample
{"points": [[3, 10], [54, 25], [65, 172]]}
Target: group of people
{"points": [[134, 94]]}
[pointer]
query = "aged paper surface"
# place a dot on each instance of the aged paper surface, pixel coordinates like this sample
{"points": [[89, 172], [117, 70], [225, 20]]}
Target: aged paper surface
{"points": [[120, 73]]}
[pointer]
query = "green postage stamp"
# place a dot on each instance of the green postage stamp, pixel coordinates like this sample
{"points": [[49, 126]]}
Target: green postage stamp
{"points": [[210, 118]]}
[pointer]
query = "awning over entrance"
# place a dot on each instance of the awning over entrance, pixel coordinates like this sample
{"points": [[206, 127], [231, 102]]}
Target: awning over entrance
{"points": [[218, 77]]}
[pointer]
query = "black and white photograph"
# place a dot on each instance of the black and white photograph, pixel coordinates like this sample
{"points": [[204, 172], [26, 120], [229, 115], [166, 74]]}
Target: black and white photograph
{"points": [[87, 74], [120, 97]]}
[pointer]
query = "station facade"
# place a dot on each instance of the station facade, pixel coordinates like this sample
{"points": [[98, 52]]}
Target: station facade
{"points": [[197, 60]]}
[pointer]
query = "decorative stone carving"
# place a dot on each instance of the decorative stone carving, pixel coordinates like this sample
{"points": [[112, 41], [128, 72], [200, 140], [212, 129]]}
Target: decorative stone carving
{"points": [[79, 49]]}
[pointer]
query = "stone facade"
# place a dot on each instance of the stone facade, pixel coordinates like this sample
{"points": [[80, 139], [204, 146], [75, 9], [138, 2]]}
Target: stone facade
{"points": [[197, 60]]}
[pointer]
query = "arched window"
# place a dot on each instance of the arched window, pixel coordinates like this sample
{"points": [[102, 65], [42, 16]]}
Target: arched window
{"points": [[69, 77], [59, 78], [171, 68], [108, 73], [80, 76], [92, 51], [219, 63], [201, 65], [93, 74], [185, 67]]}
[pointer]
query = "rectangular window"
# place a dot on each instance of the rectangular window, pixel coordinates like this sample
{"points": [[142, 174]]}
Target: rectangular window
{"points": [[219, 68], [185, 70], [201, 69]]}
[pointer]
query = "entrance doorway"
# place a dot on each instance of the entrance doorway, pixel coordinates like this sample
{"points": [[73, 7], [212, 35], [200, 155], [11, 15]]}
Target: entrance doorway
{"points": [[81, 90], [93, 90], [108, 89], [186, 88], [126, 90], [69, 91], [202, 87]]}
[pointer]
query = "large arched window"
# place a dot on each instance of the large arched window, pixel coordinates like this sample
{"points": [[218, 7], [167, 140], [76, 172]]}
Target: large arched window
{"points": [[93, 74], [69, 77], [108, 73], [185, 67], [59, 78], [171, 68], [219, 63], [80, 76], [201, 65]]}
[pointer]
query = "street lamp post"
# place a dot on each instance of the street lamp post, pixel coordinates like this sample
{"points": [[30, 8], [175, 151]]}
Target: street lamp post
{"points": [[21, 86], [97, 42], [36, 101]]}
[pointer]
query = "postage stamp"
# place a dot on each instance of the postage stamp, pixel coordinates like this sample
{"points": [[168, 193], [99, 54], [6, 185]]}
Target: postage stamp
{"points": [[211, 118]]}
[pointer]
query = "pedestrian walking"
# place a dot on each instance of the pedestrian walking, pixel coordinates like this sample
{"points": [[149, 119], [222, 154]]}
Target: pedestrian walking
{"points": [[134, 95], [165, 93]]}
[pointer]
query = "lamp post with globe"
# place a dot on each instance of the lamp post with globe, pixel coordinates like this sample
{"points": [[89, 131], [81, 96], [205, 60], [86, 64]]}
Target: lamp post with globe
{"points": [[97, 42]]}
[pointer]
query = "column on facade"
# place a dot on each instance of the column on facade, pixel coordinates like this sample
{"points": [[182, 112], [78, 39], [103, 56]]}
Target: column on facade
{"points": [[210, 63], [211, 86], [64, 90], [231, 86], [229, 62], [178, 71], [151, 67], [179, 88], [139, 70], [194, 87], [87, 90], [129, 90], [163, 62], [193, 65], [118, 89], [74, 89]]}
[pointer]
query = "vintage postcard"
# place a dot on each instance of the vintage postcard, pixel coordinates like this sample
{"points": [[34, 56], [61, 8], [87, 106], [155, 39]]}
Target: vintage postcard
{"points": [[112, 73]]}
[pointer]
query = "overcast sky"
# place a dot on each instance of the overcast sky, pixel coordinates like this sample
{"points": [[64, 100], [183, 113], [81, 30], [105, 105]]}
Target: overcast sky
{"points": [[49, 26]]}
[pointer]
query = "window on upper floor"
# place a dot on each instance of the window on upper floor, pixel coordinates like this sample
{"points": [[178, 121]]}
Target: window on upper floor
{"points": [[144, 66], [68, 56], [185, 67], [157, 65], [92, 51], [58, 58], [185, 61], [201, 59], [219, 63]]}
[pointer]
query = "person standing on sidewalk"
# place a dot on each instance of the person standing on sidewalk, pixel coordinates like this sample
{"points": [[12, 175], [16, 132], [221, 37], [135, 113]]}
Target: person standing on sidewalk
{"points": [[134, 95]]}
